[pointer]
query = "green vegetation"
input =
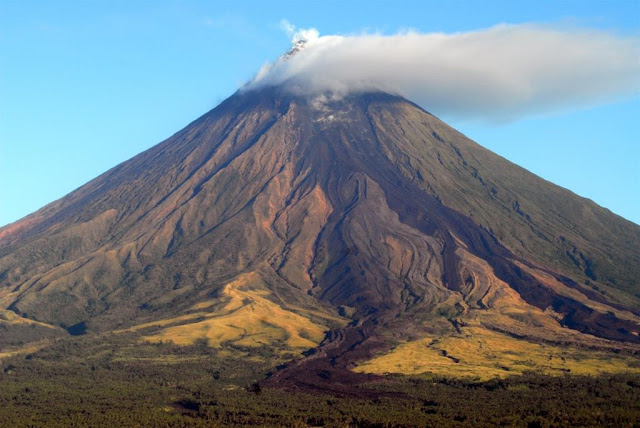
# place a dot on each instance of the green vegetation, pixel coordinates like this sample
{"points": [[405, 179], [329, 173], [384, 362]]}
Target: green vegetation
{"points": [[116, 380]]}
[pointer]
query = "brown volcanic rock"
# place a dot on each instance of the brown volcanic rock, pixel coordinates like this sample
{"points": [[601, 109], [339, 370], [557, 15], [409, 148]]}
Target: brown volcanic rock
{"points": [[364, 209]]}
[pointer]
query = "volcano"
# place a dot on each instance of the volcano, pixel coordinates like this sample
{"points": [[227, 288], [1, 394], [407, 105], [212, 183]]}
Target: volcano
{"points": [[344, 231]]}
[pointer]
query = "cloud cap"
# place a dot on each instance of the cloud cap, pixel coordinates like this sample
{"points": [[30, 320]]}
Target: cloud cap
{"points": [[499, 74]]}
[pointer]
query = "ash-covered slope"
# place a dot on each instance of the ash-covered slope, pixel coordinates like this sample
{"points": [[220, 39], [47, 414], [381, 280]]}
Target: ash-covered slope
{"points": [[275, 218]]}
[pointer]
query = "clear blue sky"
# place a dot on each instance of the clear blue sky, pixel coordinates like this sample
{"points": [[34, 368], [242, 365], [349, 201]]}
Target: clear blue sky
{"points": [[86, 85]]}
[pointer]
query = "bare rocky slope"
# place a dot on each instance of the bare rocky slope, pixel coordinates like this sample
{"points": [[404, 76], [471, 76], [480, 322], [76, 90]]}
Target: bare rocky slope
{"points": [[345, 225]]}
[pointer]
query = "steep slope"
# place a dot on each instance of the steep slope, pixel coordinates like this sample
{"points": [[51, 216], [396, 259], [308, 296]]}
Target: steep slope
{"points": [[275, 218]]}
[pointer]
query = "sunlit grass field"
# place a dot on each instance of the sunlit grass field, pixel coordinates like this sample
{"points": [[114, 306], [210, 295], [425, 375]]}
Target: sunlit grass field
{"points": [[482, 354]]}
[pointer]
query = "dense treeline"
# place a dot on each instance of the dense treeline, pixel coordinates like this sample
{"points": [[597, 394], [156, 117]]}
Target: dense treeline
{"points": [[112, 381]]}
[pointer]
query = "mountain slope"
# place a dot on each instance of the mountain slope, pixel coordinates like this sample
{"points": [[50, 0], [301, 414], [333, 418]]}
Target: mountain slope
{"points": [[275, 218]]}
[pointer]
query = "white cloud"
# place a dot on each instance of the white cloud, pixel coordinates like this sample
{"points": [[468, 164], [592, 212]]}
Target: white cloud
{"points": [[500, 73], [298, 34]]}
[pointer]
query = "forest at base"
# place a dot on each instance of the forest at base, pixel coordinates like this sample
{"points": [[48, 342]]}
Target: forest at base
{"points": [[116, 380]]}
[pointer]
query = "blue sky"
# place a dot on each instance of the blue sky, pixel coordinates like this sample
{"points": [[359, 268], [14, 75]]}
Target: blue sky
{"points": [[86, 85]]}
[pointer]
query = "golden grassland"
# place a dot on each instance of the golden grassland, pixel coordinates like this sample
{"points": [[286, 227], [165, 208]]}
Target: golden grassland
{"points": [[484, 354], [10, 317], [22, 350], [248, 319], [164, 322]]}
